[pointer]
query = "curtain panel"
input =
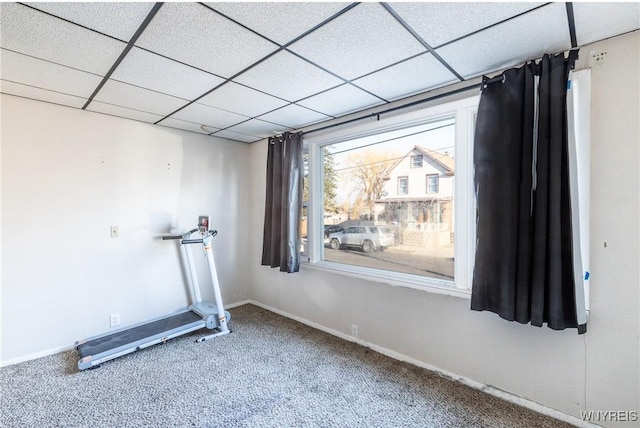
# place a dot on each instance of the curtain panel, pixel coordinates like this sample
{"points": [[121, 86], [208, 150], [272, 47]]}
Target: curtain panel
{"points": [[283, 204], [524, 257]]}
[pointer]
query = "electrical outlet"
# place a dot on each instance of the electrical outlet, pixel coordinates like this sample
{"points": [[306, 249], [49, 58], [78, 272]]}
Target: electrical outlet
{"points": [[354, 330], [114, 320], [115, 231]]}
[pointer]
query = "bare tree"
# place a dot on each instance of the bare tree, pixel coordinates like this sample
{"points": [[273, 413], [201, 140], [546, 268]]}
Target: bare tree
{"points": [[369, 171]]}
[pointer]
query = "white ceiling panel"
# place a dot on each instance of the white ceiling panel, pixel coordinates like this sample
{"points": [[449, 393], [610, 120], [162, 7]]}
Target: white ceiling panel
{"points": [[258, 127], [509, 44], [193, 34], [117, 19], [260, 16], [597, 21], [46, 75], [34, 93], [341, 100], [34, 33], [151, 71], [362, 40], [360, 58], [237, 98], [407, 78], [210, 116], [133, 97], [441, 22], [294, 116], [127, 113], [287, 76], [237, 136], [186, 126]]}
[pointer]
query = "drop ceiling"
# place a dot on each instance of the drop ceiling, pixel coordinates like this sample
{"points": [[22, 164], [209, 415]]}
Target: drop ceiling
{"points": [[245, 71]]}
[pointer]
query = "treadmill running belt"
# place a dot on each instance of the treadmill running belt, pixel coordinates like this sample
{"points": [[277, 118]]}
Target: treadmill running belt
{"points": [[124, 337]]}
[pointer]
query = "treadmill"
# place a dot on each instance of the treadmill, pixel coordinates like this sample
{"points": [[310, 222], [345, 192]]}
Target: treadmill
{"points": [[96, 350]]}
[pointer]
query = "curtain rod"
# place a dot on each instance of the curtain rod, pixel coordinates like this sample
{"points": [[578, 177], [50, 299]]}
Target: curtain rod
{"points": [[573, 56], [392, 109]]}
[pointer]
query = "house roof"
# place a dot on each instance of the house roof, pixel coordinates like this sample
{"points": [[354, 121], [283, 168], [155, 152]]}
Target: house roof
{"points": [[446, 162], [442, 158]]}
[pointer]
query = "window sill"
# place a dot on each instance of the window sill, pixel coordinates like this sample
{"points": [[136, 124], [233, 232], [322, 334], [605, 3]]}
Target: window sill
{"points": [[396, 279]]}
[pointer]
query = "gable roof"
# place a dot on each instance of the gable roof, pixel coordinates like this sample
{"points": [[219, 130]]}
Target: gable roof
{"points": [[443, 159], [446, 162]]}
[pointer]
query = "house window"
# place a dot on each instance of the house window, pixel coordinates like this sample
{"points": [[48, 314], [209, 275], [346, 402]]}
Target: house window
{"points": [[417, 240], [403, 185], [432, 183]]}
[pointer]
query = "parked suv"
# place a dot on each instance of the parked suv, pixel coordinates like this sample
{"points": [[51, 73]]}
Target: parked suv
{"points": [[368, 238], [332, 228]]}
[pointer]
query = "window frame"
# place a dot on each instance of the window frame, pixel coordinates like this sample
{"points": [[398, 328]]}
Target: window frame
{"points": [[463, 111], [437, 177], [420, 163], [406, 187]]}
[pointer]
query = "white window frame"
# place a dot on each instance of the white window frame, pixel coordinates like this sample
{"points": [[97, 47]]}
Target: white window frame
{"points": [[406, 187], [437, 177], [464, 112], [419, 164]]}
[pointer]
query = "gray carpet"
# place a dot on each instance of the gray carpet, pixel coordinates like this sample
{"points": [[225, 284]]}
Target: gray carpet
{"points": [[270, 372]]}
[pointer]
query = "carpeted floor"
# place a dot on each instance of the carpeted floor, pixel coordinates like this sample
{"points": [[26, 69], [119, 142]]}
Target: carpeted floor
{"points": [[270, 372]]}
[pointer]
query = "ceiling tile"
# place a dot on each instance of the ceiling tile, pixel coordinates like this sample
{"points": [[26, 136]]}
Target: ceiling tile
{"points": [[258, 127], [441, 22], [127, 113], [364, 39], [260, 16], [286, 76], [186, 126], [195, 35], [294, 116], [341, 100], [240, 99], [210, 116], [133, 97], [597, 21], [237, 136], [407, 78], [34, 93], [46, 75], [117, 19], [34, 33], [151, 71], [508, 44]]}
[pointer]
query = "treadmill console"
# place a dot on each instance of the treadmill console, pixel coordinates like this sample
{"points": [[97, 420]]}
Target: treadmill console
{"points": [[203, 224]]}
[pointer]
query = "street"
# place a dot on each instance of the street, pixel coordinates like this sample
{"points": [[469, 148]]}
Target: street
{"points": [[399, 259]]}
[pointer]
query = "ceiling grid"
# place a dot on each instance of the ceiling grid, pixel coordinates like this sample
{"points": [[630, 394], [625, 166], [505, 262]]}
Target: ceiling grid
{"points": [[246, 71]]}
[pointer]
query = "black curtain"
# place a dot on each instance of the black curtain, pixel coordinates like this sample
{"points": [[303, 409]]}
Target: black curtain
{"points": [[524, 259], [283, 206]]}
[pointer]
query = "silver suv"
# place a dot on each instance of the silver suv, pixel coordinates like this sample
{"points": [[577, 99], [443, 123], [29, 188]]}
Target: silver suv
{"points": [[368, 238]]}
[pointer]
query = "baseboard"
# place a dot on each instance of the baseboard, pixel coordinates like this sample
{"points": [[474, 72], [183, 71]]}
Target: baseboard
{"points": [[36, 355], [507, 396], [236, 304]]}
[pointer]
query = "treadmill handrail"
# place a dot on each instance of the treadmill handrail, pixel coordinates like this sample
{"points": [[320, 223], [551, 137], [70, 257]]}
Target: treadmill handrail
{"points": [[211, 233]]}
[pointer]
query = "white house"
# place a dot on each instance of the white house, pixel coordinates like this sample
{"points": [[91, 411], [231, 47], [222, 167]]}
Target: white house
{"points": [[418, 196]]}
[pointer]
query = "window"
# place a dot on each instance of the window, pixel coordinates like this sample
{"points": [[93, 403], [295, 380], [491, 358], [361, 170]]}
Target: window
{"points": [[432, 183], [381, 229], [403, 185]]}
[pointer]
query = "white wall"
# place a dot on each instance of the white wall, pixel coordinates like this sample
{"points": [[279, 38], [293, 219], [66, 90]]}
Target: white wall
{"points": [[67, 176], [560, 370]]}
